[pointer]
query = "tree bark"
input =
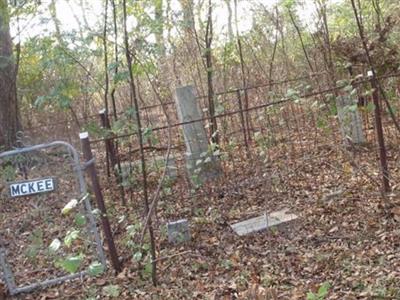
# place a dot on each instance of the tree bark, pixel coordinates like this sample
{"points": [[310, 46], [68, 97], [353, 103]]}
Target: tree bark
{"points": [[159, 17], [188, 17], [230, 17], [9, 124]]}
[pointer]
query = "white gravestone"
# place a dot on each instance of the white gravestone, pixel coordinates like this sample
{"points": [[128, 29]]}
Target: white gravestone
{"points": [[351, 125], [199, 162]]}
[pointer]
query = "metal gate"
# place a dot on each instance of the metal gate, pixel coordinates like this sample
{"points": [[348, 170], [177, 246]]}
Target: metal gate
{"points": [[48, 231]]}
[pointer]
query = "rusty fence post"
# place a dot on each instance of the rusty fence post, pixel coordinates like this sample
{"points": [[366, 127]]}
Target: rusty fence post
{"points": [[242, 120], [91, 171], [110, 147], [112, 155], [379, 134], [247, 114]]}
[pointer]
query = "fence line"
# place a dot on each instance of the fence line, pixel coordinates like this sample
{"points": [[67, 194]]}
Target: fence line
{"points": [[264, 105], [271, 83], [236, 90]]}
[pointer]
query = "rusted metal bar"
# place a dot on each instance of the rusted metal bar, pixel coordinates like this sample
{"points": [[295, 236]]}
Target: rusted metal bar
{"points": [[110, 147], [248, 117], [244, 130], [91, 171], [379, 135], [261, 106], [112, 155]]}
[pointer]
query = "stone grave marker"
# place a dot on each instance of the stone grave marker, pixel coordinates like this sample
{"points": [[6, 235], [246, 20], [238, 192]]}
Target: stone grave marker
{"points": [[178, 231], [263, 222], [200, 164], [351, 125]]}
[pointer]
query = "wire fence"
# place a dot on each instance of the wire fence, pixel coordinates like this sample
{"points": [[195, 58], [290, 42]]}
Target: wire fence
{"points": [[291, 120]]}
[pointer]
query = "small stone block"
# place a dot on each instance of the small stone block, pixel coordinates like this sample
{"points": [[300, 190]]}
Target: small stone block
{"points": [[178, 231], [263, 222]]}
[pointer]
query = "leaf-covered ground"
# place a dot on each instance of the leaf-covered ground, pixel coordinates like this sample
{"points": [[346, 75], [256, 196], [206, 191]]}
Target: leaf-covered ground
{"points": [[347, 235]]}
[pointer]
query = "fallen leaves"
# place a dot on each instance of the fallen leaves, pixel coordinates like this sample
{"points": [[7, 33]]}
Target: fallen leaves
{"points": [[346, 240]]}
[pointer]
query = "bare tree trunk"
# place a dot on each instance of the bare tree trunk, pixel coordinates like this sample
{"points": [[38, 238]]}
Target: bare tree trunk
{"points": [[188, 16], [271, 63], [301, 39], [105, 49], [211, 105], [327, 53], [159, 32], [8, 86], [56, 21], [230, 18], [116, 59], [134, 100]]}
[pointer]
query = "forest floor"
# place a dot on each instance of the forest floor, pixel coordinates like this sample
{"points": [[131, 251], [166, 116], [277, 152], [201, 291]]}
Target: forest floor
{"points": [[349, 239]]}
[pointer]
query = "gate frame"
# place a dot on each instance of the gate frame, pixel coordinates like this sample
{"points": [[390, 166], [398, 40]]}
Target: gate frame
{"points": [[7, 272]]}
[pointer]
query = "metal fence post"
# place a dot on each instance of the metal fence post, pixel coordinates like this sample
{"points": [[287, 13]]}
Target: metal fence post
{"points": [[91, 170], [112, 156], [242, 120], [110, 147]]}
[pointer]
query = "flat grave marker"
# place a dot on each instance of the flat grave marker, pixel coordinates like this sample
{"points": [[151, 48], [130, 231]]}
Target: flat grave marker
{"points": [[263, 222]]}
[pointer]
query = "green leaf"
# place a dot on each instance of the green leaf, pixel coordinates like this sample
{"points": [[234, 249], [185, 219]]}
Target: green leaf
{"points": [[146, 247], [95, 269], [80, 220], [311, 296], [39, 102], [112, 290], [322, 123], [352, 108], [370, 107], [137, 256], [323, 290], [55, 245], [292, 94], [71, 264], [341, 83], [71, 236], [133, 229], [148, 268], [348, 88], [121, 76]]}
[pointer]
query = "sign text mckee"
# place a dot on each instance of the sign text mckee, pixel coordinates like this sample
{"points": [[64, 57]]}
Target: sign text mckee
{"points": [[25, 188]]}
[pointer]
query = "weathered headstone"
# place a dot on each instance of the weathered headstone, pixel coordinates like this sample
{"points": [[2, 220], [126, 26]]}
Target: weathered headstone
{"points": [[178, 231], [263, 222], [200, 163], [350, 120]]}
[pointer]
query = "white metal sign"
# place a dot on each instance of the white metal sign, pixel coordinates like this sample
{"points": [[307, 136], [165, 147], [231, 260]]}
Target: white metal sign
{"points": [[31, 187]]}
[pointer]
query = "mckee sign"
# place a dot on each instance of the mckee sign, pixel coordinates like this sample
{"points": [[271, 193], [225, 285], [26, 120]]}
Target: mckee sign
{"points": [[31, 187]]}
